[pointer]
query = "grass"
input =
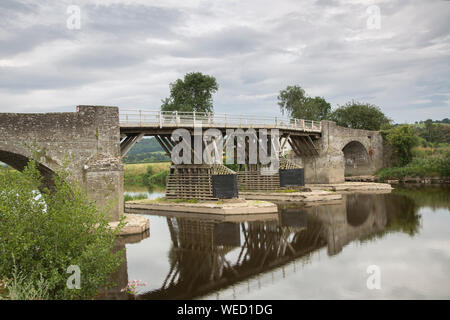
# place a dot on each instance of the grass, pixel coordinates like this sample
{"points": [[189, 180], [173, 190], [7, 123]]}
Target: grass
{"points": [[129, 197], [141, 168], [146, 174]]}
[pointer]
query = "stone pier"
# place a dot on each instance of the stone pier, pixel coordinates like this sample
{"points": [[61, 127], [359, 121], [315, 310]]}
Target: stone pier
{"points": [[89, 139]]}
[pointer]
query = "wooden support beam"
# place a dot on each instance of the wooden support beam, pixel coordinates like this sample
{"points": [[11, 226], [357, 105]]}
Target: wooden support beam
{"points": [[161, 143], [128, 143]]}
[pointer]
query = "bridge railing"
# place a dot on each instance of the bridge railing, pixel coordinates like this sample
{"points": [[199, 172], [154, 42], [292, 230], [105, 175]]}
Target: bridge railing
{"points": [[144, 118]]}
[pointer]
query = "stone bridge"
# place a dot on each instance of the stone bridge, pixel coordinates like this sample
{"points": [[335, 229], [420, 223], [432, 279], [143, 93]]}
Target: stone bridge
{"points": [[94, 139], [342, 151]]}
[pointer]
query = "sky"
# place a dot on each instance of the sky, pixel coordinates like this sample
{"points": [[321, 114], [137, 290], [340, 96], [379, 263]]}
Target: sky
{"points": [[55, 55]]}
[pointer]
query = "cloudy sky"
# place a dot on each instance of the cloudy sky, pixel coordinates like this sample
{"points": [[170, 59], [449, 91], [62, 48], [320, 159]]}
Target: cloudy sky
{"points": [[126, 53]]}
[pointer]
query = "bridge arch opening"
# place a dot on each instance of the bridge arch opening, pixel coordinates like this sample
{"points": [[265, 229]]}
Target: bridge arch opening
{"points": [[19, 162], [356, 158], [359, 208]]}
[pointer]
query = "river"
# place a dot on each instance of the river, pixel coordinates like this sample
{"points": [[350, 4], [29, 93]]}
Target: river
{"points": [[374, 246]]}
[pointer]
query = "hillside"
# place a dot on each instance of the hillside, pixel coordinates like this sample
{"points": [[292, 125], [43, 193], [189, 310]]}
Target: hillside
{"points": [[147, 150]]}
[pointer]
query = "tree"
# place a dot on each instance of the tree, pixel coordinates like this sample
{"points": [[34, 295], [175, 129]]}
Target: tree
{"points": [[43, 233], [294, 102], [359, 115], [193, 93], [317, 109], [402, 139]]}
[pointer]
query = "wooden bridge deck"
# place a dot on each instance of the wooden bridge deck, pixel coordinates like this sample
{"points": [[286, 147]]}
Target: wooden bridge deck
{"points": [[161, 122]]}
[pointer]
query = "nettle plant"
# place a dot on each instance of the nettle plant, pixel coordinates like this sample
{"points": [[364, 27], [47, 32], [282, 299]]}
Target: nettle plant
{"points": [[43, 232]]}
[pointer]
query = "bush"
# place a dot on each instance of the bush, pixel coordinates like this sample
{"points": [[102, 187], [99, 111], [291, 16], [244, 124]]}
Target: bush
{"points": [[43, 233], [438, 166], [402, 139], [159, 178], [21, 288]]}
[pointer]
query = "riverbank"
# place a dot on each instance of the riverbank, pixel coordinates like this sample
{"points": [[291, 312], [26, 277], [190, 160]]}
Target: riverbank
{"points": [[405, 180], [146, 174], [427, 164]]}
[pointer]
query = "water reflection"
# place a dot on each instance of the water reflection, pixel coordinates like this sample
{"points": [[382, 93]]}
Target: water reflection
{"points": [[207, 255]]}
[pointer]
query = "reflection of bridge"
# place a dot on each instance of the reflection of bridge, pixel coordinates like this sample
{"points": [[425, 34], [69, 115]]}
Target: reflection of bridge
{"points": [[201, 258]]}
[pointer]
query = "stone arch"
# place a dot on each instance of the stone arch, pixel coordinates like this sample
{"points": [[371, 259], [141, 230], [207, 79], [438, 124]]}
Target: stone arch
{"points": [[359, 208], [356, 159], [19, 162]]}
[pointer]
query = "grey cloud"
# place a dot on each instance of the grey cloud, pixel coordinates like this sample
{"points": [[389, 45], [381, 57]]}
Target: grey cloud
{"points": [[131, 21], [24, 79]]}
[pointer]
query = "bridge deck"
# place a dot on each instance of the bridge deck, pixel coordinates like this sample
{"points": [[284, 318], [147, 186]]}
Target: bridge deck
{"points": [[158, 121]]}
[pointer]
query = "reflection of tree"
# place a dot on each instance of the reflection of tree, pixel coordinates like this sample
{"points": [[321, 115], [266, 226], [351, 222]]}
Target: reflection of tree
{"points": [[427, 196], [401, 214]]}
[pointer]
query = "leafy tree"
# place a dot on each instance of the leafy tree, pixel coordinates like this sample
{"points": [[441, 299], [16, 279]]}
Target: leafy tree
{"points": [[43, 233], [193, 93], [291, 99], [359, 115], [295, 103], [402, 139], [317, 109]]}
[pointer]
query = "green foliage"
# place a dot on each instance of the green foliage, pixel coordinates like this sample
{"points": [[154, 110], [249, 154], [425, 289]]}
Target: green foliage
{"points": [[159, 178], [433, 132], [359, 115], [129, 197], [438, 166], [402, 139], [147, 179], [296, 104], [43, 233], [19, 287], [194, 93]]}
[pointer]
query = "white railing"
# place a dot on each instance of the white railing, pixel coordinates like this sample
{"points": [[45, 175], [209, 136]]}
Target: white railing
{"points": [[146, 118]]}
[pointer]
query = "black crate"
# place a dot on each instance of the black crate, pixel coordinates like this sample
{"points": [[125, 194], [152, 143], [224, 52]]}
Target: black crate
{"points": [[292, 177], [225, 186]]}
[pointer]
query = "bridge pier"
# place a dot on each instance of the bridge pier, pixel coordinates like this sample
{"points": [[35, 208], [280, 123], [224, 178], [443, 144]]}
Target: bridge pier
{"points": [[88, 139], [340, 151]]}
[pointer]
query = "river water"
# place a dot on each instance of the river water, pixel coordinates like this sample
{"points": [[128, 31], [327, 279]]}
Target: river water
{"points": [[375, 246]]}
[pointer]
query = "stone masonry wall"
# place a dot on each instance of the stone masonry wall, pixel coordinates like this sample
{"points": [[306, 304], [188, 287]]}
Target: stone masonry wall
{"points": [[329, 166], [89, 139]]}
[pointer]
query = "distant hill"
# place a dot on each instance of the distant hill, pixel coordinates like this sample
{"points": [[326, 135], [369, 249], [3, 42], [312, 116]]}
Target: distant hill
{"points": [[145, 145], [147, 150]]}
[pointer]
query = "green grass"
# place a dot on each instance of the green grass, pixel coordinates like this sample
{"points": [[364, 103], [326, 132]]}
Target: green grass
{"points": [[128, 197], [146, 174]]}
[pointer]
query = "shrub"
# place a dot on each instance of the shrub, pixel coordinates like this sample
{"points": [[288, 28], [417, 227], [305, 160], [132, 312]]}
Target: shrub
{"points": [[43, 233], [402, 139], [159, 178]]}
